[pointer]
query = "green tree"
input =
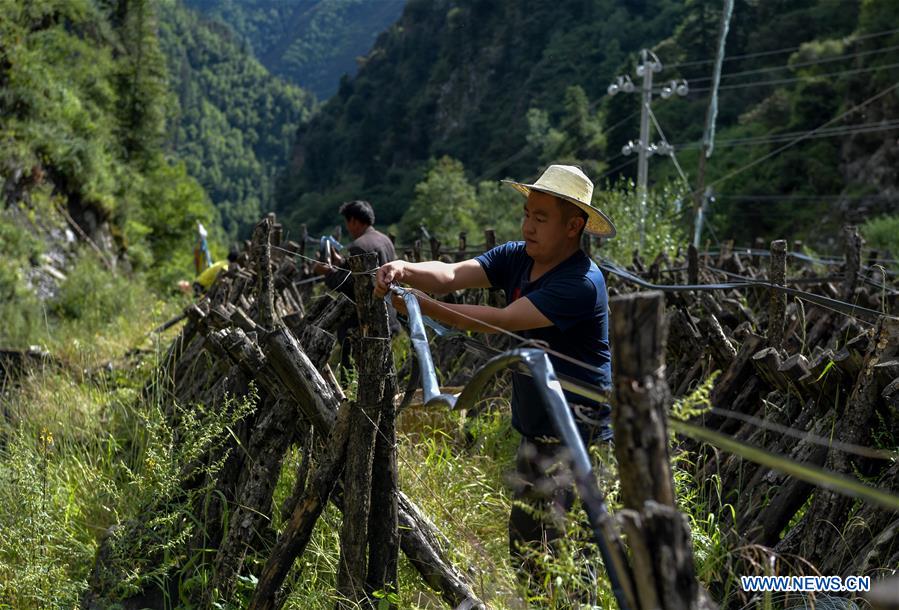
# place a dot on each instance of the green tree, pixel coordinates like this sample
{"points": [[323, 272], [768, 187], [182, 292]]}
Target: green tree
{"points": [[445, 202]]}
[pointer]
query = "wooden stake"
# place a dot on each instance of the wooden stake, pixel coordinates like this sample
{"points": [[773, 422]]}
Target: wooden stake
{"points": [[777, 301]]}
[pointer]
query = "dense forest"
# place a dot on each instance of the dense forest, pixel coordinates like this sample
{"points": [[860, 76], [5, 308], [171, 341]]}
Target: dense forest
{"points": [[310, 43], [234, 121], [535, 91]]}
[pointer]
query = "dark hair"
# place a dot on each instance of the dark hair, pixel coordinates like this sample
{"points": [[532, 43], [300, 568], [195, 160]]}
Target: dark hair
{"points": [[360, 210]]}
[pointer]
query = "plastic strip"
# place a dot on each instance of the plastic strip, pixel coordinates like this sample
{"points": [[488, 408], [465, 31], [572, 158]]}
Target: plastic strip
{"points": [[805, 472], [541, 369], [429, 385]]}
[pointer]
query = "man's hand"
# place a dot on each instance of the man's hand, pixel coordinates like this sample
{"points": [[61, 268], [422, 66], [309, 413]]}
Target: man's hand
{"points": [[387, 274], [399, 303], [322, 269]]}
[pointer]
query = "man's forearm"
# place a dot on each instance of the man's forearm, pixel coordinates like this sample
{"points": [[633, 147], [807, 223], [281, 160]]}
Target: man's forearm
{"points": [[430, 276], [479, 318]]}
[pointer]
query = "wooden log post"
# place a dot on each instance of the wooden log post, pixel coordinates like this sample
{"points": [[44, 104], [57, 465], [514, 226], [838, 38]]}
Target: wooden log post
{"points": [[658, 535], [777, 301], [277, 232], [373, 357], [853, 253], [463, 245], [692, 265], [435, 248], [265, 287], [641, 439], [489, 239], [377, 363], [726, 249], [416, 251]]}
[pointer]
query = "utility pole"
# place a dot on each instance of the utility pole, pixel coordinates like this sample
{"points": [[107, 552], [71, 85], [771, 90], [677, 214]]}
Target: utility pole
{"points": [[649, 63], [645, 69], [701, 195]]}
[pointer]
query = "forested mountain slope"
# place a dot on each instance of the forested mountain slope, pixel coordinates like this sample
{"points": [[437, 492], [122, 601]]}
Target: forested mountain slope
{"points": [[506, 87], [307, 42], [84, 108], [234, 122]]}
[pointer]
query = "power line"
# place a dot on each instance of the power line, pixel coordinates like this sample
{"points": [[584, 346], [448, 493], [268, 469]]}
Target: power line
{"points": [[769, 197], [824, 133], [799, 64], [850, 40], [780, 149], [781, 81]]}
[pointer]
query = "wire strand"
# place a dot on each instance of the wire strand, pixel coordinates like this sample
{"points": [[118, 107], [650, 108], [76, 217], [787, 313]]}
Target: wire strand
{"points": [[849, 40]]}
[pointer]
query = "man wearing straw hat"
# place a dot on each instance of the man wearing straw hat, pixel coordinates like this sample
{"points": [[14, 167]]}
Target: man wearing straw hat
{"points": [[555, 294]]}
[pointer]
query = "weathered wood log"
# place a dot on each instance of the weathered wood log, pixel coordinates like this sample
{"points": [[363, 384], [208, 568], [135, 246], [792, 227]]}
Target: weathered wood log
{"points": [[871, 537], [720, 346], [692, 265], [810, 537], [853, 251], [383, 528], [295, 372], [262, 253], [764, 526], [489, 239], [641, 447], [372, 359], [318, 344], [777, 301], [375, 364], [251, 514], [292, 541], [767, 362], [732, 380], [461, 255]]}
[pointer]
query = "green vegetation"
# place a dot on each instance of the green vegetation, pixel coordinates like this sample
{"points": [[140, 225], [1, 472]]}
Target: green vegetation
{"points": [[882, 234], [84, 101], [233, 121], [506, 91], [85, 456], [310, 43]]}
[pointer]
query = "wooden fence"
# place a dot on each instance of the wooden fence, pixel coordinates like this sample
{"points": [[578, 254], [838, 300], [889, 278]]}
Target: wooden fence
{"points": [[258, 325]]}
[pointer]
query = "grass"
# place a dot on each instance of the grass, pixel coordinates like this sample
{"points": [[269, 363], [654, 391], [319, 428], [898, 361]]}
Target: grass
{"points": [[84, 454]]}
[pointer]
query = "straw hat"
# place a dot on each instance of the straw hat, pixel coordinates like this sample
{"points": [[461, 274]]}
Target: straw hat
{"points": [[571, 184]]}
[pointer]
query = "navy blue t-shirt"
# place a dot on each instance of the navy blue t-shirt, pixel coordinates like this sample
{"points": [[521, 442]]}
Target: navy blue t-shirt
{"points": [[572, 295]]}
